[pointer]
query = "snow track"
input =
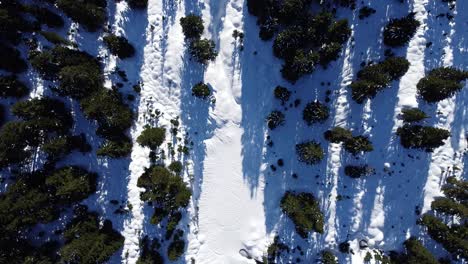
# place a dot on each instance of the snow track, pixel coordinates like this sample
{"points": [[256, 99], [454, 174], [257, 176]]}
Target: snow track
{"points": [[230, 216], [158, 92]]}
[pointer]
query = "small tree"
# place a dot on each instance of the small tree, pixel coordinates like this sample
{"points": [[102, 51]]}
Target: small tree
{"points": [[92, 14], [192, 26], [300, 64], [366, 11], [328, 257], [201, 90], [358, 144], [167, 191], [315, 112], [152, 137], [203, 50], [282, 93], [399, 31], [176, 167], [441, 83], [304, 211], [423, 137], [338, 135], [119, 46], [374, 78], [138, 4], [358, 171], [176, 248], [410, 115], [309, 152], [115, 148], [79, 81], [275, 119]]}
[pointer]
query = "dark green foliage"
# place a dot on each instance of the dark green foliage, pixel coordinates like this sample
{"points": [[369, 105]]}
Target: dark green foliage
{"points": [[38, 197], [300, 64], [80, 77], [338, 135], [203, 50], [450, 207], [288, 42], [152, 137], [90, 13], [304, 211], [275, 119], [167, 191], [315, 112], [416, 253], [358, 171], [58, 147], [88, 242], [358, 144], [282, 93], [201, 90], [422, 137], [329, 52], [118, 148], [291, 9], [345, 247], [43, 120], [11, 59], [54, 38], [309, 152], [268, 29], [441, 83], [49, 63], [149, 252], [328, 257], [410, 115], [399, 31], [172, 222], [10, 86], [106, 107], [176, 167], [25, 204], [304, 39], [15, 137], [119, 46], [274, 250], [452, 238], [138, 4], [366, 11], [177, 247], [45, 16], [192, 26], [338, 32], [456, 200], [71, 184], [456, 189], [79, 81], [373, 78], [44, 113]]}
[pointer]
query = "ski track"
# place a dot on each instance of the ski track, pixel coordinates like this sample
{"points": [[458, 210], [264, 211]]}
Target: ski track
{"points": [[446, 158], [230, 216], [154, 95]]}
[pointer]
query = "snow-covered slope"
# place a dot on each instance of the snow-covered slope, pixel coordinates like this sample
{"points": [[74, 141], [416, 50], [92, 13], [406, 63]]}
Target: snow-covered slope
{"points": [[234, 213]]}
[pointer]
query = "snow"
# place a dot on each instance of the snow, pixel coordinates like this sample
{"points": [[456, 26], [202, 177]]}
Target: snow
{"points": [[234, 213]]}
